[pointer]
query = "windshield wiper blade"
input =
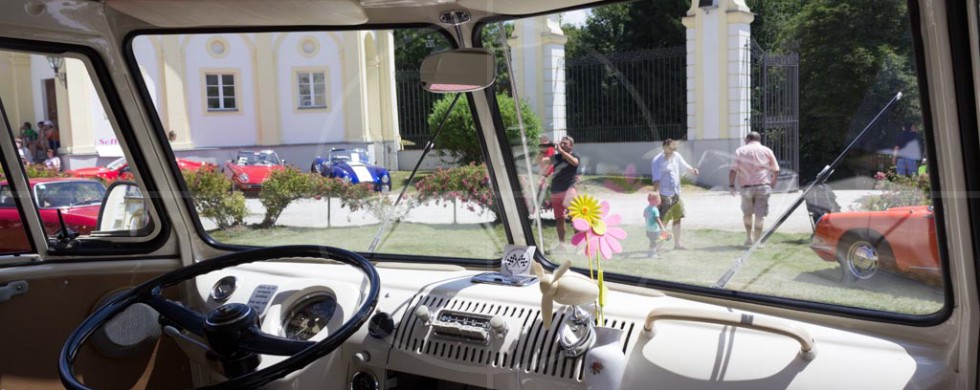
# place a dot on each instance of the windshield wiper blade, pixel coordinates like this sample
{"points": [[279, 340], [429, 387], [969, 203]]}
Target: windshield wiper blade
{"points": [[821, 178], [428, 147]]}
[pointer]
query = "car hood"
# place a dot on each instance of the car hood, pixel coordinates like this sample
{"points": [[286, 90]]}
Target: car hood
{"points": [[365, 173], [256, 173]]}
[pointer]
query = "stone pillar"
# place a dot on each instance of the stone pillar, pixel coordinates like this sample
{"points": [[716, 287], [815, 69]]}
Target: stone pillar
{"points": [[538, 50], [718, 83], [354, 63], [173, 101], [265, 69], [389, 105]]}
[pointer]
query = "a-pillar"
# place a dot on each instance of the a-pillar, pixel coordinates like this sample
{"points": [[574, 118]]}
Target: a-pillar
{"points": [[538, 50], [718, 83]]}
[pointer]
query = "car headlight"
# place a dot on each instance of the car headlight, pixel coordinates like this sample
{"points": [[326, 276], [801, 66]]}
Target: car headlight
{"points": [[385, 178], [243, 178]]}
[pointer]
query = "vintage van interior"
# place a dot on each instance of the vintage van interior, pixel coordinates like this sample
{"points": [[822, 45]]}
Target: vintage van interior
{"points": [[444, 261]]}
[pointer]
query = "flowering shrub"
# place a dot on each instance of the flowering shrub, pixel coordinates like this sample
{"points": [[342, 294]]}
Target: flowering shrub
{"points": [[39, 170], [213, 198], [284, 186], [469, 184], [898, 191]]}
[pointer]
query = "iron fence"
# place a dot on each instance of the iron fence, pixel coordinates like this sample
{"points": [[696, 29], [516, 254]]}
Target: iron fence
{"points": [[414, 107], [631, 96], [775, 87]]}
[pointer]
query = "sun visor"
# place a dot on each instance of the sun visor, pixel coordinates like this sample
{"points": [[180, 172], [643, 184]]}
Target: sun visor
{"points": [[228, 13], [520, 7]]}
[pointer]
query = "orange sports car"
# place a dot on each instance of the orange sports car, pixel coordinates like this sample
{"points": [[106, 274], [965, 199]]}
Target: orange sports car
{"points": [[900, 239]]}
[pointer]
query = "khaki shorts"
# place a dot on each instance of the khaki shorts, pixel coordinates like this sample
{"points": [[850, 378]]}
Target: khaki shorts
{"points": [[671, 208], [755, 200]]}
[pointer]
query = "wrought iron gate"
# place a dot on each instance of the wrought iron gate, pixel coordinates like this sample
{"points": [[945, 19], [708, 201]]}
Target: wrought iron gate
{"points": [[776, 103]]}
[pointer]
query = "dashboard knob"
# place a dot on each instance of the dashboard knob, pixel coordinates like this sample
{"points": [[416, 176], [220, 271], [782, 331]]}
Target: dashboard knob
{"points": [[362, 357], [498, 325], [381, 325], [422, 313]]}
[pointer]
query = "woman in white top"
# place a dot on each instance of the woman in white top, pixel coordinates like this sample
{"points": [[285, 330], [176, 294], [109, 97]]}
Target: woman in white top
{"points": [[53, 161]]}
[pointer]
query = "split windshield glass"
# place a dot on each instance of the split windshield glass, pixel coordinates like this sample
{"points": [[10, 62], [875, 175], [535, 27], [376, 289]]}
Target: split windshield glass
{"points": [[676, 117], [308, 138]]}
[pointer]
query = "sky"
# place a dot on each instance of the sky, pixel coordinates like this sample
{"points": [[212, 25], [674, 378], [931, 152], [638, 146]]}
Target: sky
{"points": [[576, 18]]}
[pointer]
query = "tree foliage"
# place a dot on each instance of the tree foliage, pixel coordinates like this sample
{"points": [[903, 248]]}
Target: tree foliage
{"points": [[458, 138], [852, 61], [628, 27]]}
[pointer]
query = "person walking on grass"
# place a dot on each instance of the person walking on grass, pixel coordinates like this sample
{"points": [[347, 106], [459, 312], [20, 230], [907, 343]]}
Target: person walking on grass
{"points": [[655, 227], [756, 170], [667, 168]]}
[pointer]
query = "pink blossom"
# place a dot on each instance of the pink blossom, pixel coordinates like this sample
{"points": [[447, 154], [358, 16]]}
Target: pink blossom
{"points": [[603, 237]]}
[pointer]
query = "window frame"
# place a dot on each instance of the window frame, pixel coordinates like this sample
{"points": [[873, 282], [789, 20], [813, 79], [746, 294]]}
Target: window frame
{"points": [[297, 85], [122, 127], [794, 304], [206, 98]]}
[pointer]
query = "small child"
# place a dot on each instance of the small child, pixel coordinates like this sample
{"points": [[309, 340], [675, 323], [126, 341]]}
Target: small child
{"points": [[654, 225]]}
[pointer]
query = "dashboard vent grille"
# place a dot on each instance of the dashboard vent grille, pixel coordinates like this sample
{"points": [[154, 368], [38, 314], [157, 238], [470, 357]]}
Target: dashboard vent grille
{"points": [[536, 351]]}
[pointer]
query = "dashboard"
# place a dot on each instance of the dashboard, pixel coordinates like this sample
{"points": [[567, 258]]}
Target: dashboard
{"points": [[435, 328]]}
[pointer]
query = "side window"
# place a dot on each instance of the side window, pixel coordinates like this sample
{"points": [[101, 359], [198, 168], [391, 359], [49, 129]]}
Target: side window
{"points": [[311, 89], [220, 90], [69, 147]]}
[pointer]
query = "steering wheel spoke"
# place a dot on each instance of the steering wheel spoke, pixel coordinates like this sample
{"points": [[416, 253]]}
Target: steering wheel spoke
{"points": [[180, 315], [260, 342]]}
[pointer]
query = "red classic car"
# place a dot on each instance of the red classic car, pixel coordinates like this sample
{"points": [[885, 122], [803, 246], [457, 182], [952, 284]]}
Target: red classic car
{"points": [[900, 239], [78, 199], [250, 168], [119, 168]]}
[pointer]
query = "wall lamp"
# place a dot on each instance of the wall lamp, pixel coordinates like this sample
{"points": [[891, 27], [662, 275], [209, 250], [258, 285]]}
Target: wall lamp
{"points": [[57, 65]]}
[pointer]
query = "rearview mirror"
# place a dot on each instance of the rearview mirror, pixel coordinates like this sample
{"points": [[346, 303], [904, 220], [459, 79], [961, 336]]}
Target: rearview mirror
{"points": [[123, 212], [462, 70]]}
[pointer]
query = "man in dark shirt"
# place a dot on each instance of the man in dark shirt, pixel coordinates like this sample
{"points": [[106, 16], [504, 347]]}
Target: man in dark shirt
{"points": [[564, 168], [908, 151]]}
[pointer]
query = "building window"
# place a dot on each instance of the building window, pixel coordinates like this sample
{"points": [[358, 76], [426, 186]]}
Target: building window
{"points": [[312, 89], [221, 92]]}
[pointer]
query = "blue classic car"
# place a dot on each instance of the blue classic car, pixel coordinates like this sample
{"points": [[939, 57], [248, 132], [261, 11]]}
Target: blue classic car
{"points": [[352, 165]]}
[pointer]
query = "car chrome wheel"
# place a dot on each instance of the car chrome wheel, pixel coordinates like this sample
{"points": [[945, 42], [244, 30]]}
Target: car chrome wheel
{"points": [[861, 260]]}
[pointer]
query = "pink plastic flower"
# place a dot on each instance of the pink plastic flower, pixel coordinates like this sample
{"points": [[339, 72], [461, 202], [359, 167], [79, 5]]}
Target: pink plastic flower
{"points": [[602, 237]]}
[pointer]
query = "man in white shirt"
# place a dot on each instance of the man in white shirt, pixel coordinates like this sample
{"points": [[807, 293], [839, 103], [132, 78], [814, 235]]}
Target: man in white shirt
{"points": [[667, 170]]}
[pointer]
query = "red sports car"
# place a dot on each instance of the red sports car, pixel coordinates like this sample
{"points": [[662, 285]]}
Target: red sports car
{"points": [[120, 169], [900, 239], [78, 199], [250, 168]]}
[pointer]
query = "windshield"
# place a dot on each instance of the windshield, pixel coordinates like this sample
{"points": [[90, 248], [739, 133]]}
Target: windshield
{"points": [[778, 151], [116, 164], [257, 158], [354, 156], [787, 159], [318, 102], [69, 194]]}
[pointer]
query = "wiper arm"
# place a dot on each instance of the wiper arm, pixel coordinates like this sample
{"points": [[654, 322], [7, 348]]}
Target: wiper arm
{"points": [[428, 147], [821, 178]]}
